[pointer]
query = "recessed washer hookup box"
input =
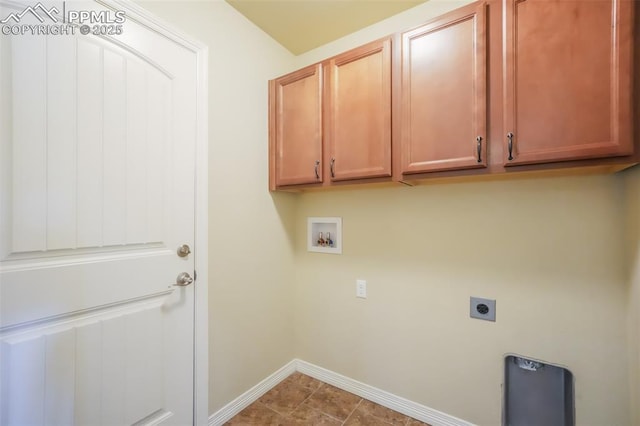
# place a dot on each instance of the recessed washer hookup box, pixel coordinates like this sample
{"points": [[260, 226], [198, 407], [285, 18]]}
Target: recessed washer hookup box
{"points": [[537, 394]]}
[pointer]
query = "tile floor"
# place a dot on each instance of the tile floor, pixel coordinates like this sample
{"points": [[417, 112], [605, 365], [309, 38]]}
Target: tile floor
{"points": [[303, 400]]}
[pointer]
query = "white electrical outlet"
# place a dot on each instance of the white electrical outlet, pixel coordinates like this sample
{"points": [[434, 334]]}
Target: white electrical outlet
{"points": [[361, 289]]}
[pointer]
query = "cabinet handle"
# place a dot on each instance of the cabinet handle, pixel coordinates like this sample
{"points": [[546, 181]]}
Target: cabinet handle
{"points": [[510, 145], [316, 169], [479, 140], [333, 172]]}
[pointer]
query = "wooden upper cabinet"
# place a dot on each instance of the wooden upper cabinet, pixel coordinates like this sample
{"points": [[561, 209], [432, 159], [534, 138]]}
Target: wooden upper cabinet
{"points": [[296, 128], [443, 93], [567, 80], [559, 73], [358, 113]]}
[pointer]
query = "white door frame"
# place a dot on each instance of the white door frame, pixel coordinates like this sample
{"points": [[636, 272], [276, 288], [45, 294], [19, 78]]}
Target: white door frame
{"points": [[201, 303]]}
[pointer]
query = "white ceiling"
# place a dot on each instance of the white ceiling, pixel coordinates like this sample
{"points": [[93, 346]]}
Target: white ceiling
{"points": [[301, 25]]}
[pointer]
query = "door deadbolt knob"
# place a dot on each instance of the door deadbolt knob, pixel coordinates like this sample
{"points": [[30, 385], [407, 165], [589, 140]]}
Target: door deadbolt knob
{"points": [[184, 250], [184, 279]]}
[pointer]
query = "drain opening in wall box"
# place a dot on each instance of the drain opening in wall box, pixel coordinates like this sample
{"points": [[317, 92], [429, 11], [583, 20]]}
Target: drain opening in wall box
{"points": [[324, 235], [537, 393]]}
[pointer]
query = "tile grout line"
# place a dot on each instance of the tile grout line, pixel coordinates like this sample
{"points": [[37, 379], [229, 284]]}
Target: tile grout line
{"points": [[323, 384], [406, 422], [271, 409], [298, 387], [301, 387], [353, 411], [259, 401], [309, 397]]}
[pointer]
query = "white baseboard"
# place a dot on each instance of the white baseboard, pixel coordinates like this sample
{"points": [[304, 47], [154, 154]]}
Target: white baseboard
{"points": [[227, 412], [386, 399]]}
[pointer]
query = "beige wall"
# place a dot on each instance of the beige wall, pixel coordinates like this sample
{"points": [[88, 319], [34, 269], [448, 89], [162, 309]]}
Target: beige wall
{"points": [[250, 252], [549, 251], [632, 186]]}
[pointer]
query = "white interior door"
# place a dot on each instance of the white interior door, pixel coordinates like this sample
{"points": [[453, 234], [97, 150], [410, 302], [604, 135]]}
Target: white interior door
{"points": [[97, 183]]}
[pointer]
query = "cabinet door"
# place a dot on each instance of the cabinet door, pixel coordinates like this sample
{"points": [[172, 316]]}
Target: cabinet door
{"points": [[358, 113], [568, 79], [296, 120], [443, 105]]}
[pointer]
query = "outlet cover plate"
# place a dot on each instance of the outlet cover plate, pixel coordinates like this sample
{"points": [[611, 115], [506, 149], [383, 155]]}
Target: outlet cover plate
{"points": [[484, 309], [361, 289]]}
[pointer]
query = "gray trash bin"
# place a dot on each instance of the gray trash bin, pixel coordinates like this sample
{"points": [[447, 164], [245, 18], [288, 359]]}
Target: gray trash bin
{"points": [[537, 394]]}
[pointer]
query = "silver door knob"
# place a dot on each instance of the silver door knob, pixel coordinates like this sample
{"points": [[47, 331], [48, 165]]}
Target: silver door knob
{"points": [[184, 250], [184, 279]]}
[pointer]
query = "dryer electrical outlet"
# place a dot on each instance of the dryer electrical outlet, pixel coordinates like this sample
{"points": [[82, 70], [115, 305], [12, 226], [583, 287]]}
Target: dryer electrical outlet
{"points": [[484, 309]]}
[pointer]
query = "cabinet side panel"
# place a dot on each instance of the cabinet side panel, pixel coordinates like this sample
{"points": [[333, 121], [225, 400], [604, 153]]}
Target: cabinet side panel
{"points": [[272, 135]]}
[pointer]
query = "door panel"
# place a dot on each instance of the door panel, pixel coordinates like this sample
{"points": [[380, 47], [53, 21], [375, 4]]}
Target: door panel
{"points": [[112, 183], [444, 93], [97, 193], [298, 103], [60, 141], [101, 368], [358, 112], [567, 79]]}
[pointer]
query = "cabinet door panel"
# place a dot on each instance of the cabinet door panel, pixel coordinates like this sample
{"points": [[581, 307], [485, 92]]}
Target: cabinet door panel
{"points": [[358, 114], [443, 106], [568, 80], [298, 127]]}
